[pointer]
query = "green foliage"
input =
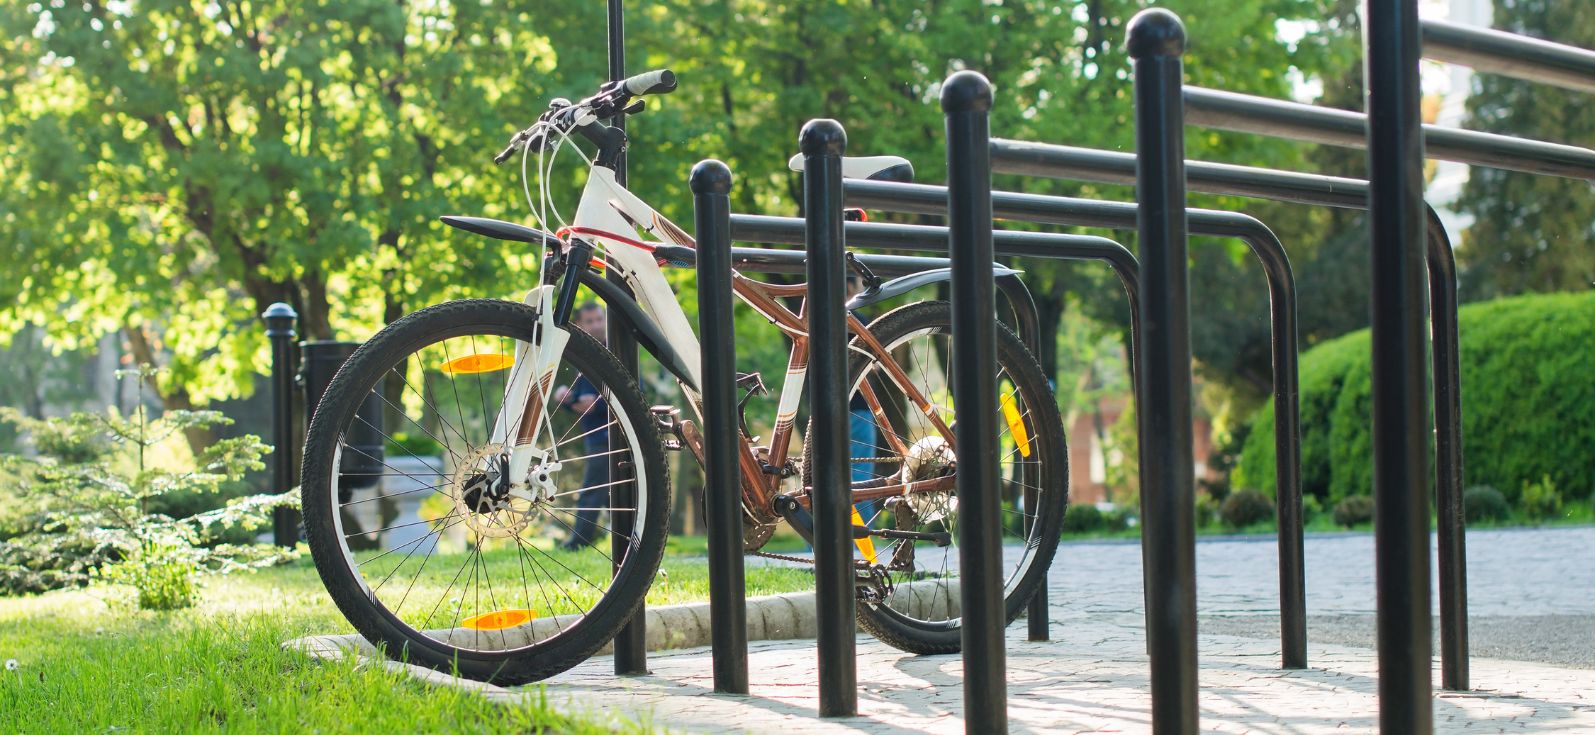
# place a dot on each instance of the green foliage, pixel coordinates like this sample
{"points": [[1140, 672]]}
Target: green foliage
{"points": [[1482, 503], [1311, 509], [1207, 509], [162, 573], [175, 167], [1246, 507], [1530, 233], [1525, 403], [1354, 510], [82, 503], [411, 444], [1083, 518], [1540, 500]]}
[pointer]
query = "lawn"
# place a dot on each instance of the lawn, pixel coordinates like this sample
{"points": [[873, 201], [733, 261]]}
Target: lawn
{"points": [[87, 662]]}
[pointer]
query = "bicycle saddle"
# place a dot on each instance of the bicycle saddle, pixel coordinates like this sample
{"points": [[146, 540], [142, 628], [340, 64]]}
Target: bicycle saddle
{"points": [[872, 168]]}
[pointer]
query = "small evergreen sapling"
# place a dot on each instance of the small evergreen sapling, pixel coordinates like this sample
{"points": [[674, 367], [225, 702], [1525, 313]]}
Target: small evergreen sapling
{"points": [[84, 505]]}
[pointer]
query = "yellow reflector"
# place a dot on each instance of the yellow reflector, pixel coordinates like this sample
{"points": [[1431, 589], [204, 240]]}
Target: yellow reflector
{"points": [[499, 619], [866, 544], [471, 364], [1016, 424]]}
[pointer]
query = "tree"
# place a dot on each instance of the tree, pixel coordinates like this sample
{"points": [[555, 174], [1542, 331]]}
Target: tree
{"points": [[1530, 233]]}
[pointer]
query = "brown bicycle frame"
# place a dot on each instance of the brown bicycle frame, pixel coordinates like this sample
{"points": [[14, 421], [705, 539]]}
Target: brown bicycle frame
{"points": [[758, 486]]}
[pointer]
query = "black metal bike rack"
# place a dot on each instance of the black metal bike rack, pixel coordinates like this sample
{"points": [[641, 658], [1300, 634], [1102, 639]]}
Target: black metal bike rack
{"points": [[728, 624], [822, 143], [1111, 167], [1156, 43], [1393, 135], [966, 104], [1017, 157]]}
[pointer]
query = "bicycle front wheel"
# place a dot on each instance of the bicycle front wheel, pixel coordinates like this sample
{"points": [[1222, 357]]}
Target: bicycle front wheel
{"points": [[457, 540], [911, 600]]}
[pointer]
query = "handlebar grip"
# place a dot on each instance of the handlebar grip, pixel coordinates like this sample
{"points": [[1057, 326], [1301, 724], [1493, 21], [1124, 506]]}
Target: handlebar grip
{"points": [[658, 81]]}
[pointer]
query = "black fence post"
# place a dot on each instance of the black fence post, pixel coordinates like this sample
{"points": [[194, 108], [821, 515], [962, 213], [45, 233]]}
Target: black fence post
{"points": [[631, 643], [1156, 43], [966, 102], [728, 623], [822, 143], [1450, 519], [1400, 451], [280, 319]]}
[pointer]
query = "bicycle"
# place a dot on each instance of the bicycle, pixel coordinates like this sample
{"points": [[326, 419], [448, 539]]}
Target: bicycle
{"points": [[478, 377]]}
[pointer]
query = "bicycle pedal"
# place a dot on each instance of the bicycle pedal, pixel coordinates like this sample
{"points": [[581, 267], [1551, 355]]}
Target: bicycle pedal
{"points": [[667, 420]]}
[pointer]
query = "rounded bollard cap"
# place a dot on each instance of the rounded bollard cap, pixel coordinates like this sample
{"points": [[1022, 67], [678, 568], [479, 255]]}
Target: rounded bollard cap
{"points": [[822, 136], [279, 319], [710, 176], [966, 91], [279, 310], [1155, 32]]}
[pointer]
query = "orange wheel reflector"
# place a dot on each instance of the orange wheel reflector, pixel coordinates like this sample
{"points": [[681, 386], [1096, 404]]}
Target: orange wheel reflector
{"points": [[1016, 424], [471, 364], [866, 544], [499, 619]]}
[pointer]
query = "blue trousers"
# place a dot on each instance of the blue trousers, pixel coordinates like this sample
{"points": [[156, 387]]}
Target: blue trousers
{"points": [[595, 477]]}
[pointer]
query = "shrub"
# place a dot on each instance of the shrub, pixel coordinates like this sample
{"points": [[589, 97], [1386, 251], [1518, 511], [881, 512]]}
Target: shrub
{"points": [[1245, 508], [1354, 510], [1484, 503], [1207, 510], [1083, 518], [1540, 500], [88, 501], [1525, 392], [1311, 508]]}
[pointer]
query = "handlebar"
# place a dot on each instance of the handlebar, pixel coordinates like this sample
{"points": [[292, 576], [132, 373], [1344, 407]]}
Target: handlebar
{"points": [[659, 81], [612, 99]]}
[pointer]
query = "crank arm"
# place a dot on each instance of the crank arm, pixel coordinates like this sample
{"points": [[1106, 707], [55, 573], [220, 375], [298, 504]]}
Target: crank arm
{"points": [[940, 538]]}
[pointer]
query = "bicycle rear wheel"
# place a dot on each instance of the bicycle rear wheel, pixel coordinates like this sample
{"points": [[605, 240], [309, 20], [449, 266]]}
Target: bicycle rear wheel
{"points": [[428, 551], [920, 610]]}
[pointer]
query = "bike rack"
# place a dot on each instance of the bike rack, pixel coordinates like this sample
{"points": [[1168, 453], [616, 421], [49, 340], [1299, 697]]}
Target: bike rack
{"points": [[1044, 209], [921, 238], [1394, 137], [1110, 167]]}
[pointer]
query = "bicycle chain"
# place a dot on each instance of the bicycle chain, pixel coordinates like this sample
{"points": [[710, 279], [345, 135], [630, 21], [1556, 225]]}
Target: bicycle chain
{"points": [[783, 557]]}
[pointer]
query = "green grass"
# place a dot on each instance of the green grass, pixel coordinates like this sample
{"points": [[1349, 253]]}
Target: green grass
{"points": [[90, 663]]}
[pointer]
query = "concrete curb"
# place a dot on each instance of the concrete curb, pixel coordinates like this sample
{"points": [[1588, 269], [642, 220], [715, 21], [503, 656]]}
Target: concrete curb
{"points": [[785, 617], [772, 618]]}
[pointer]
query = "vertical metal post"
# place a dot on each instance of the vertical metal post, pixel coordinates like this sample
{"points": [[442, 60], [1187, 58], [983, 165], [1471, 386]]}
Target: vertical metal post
{"points": [[1024, 308], [631, 644], [966, 102], [728, 623], [822, 143], [1156, 43], [1400, 454], [280, 319], [1453, 556], [1287, 451]]}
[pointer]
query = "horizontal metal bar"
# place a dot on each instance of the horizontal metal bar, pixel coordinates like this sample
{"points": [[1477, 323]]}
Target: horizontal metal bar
{"points": [[926, 238], [1111, 167], [1309, 123], [1509, 54]]}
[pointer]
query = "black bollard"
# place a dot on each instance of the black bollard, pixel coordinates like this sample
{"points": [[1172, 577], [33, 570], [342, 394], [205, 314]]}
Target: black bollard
{"points": [[966, 102], [1400, 429], [280, 319], [728, 623], [631, 644], [822, 143], [1168, 532]]}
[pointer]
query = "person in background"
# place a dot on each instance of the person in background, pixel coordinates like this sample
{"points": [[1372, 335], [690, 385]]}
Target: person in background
{"points": [[582, 397], [861, 433]]}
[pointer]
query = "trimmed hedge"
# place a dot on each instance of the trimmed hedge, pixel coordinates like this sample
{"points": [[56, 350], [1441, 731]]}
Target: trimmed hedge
{"points": [[1528, 404]]}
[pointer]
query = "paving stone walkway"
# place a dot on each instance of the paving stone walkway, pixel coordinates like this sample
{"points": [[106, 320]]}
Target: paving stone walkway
{"points": [[1092, 677]]}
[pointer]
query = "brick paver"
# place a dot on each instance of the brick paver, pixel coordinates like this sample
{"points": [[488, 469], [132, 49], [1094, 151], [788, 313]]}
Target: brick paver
{"points": [[1092, 677]]}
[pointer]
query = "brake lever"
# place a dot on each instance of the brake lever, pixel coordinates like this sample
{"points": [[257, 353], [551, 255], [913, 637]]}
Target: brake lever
{"points": [[515, 143]]}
